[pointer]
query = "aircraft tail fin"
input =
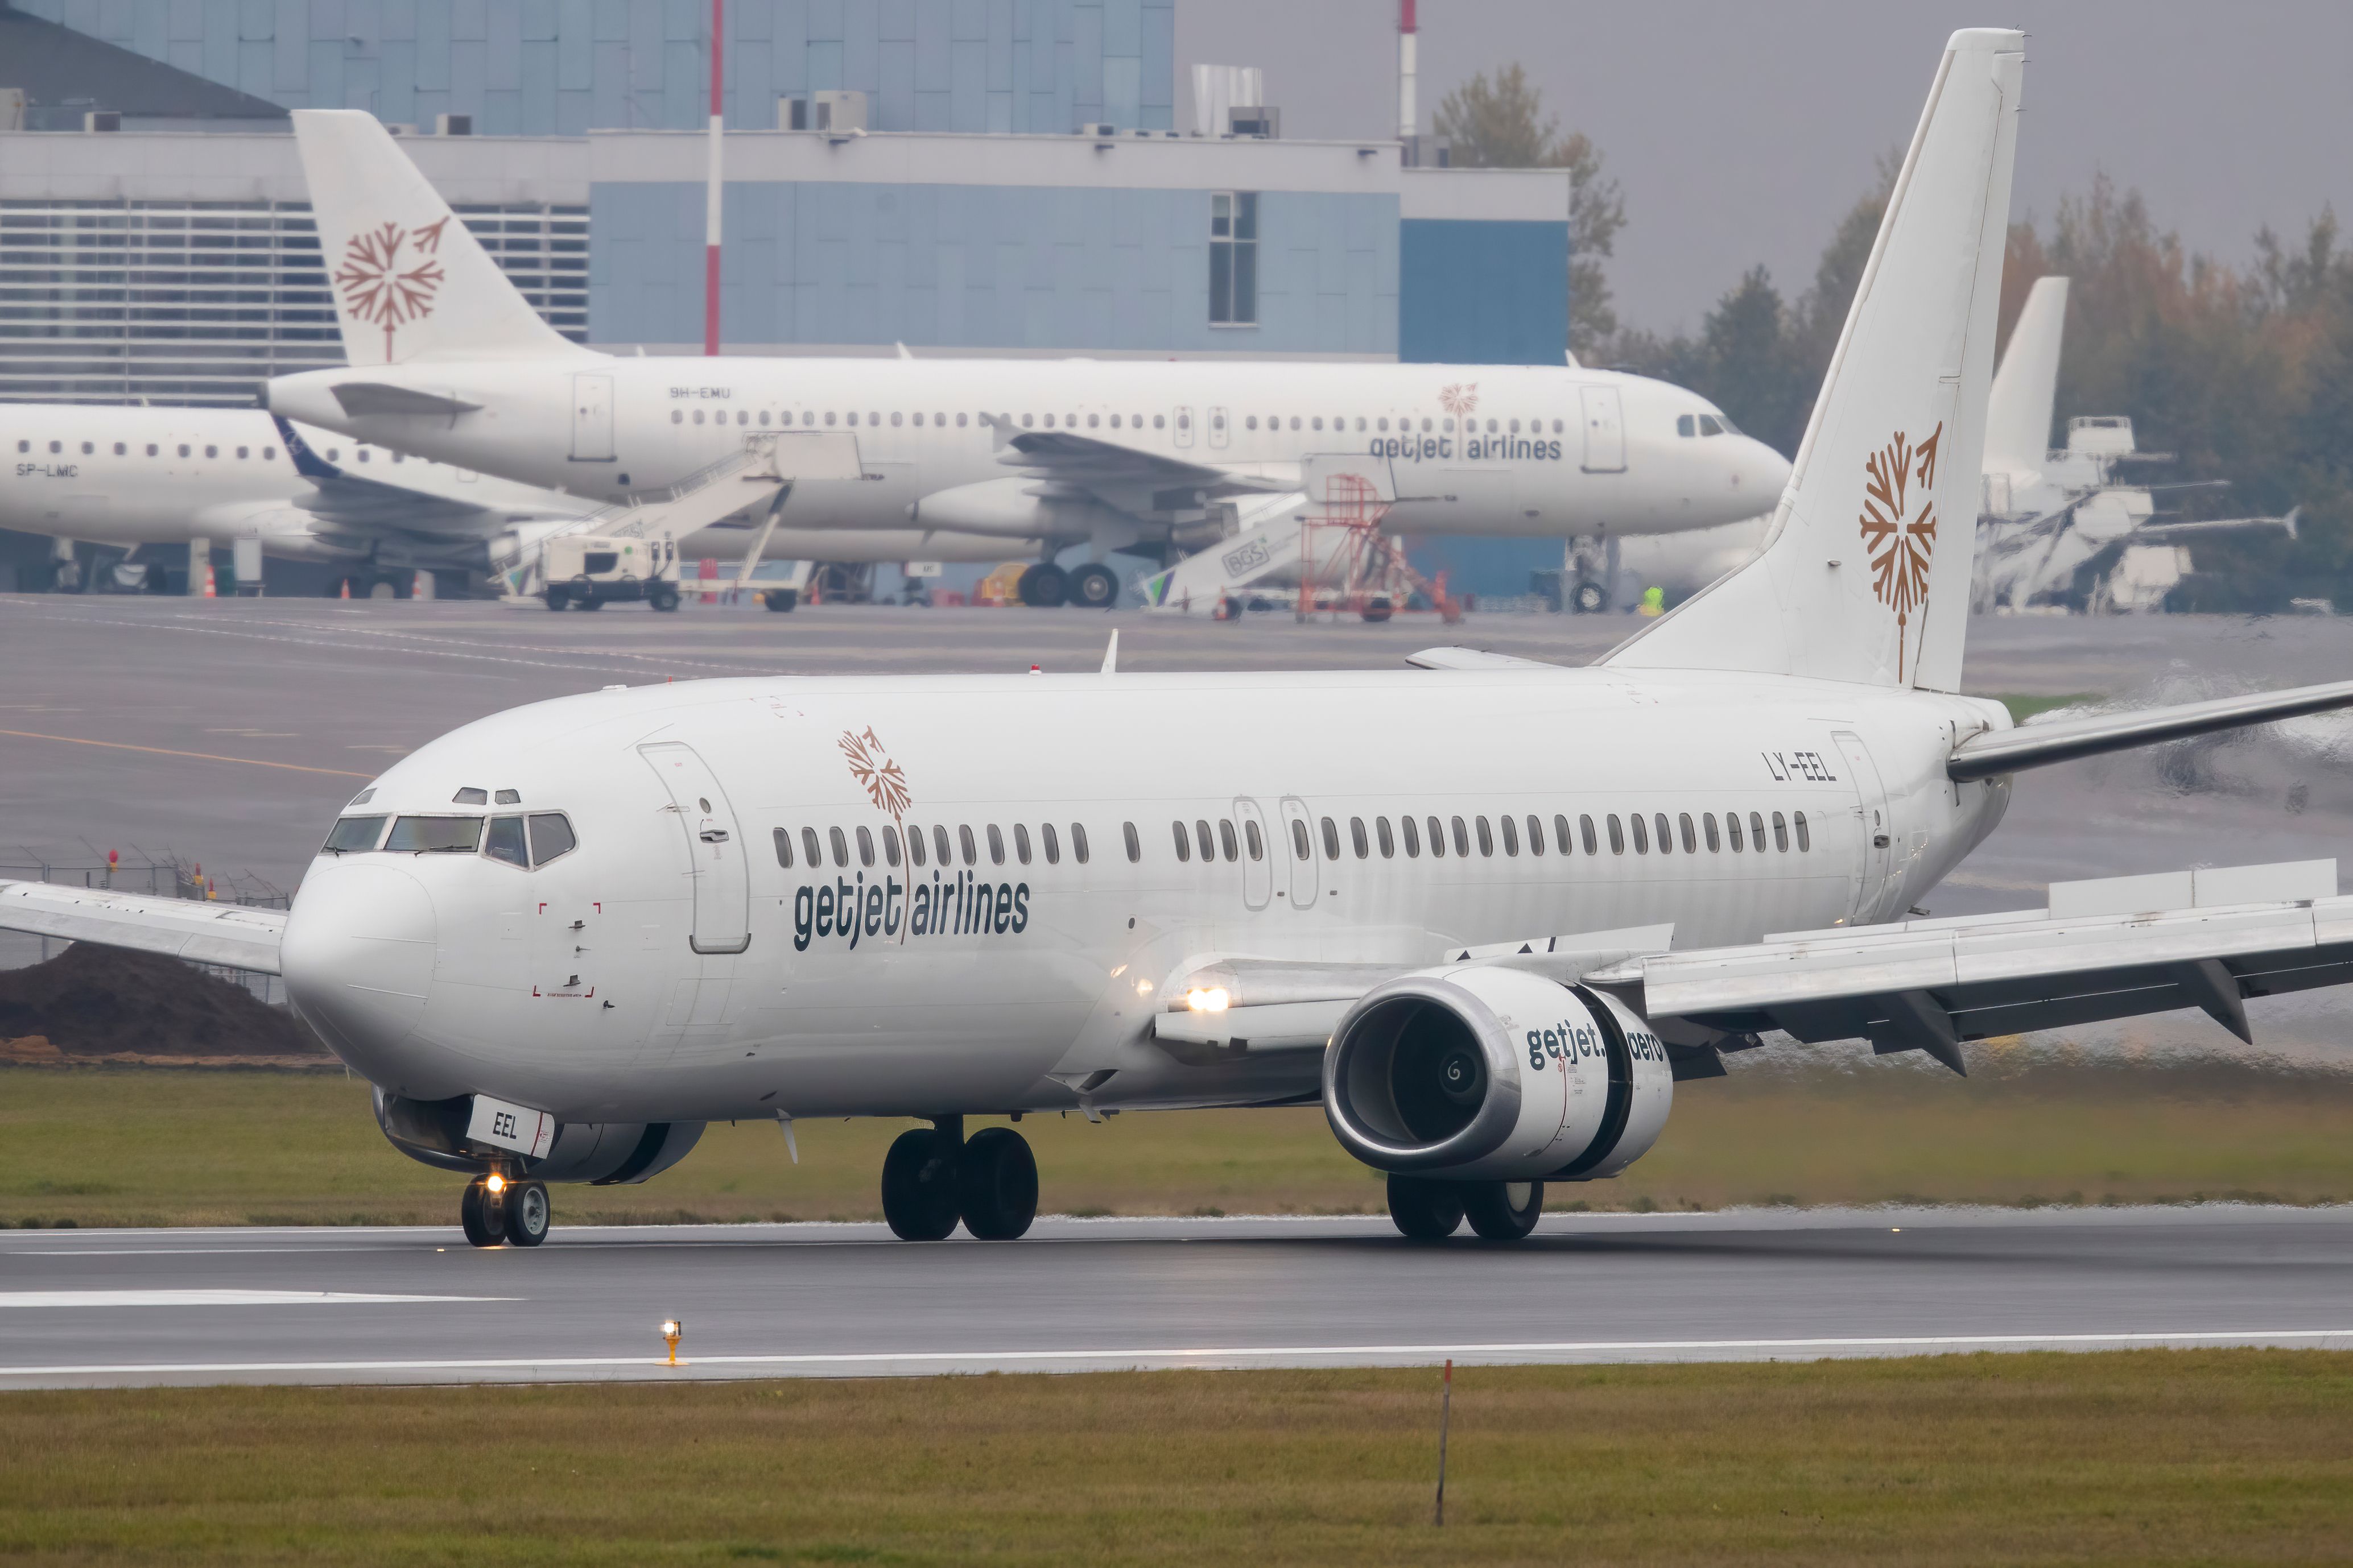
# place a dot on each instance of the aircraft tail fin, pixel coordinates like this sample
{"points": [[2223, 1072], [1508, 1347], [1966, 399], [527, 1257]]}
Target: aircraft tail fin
{"points": [[1865, 574], [2026, 384], [409, 282]]}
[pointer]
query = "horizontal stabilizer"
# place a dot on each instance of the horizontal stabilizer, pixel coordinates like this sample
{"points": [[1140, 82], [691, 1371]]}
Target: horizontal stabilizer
{"points": [[201, 932], [1997, 751], [363, 398]]}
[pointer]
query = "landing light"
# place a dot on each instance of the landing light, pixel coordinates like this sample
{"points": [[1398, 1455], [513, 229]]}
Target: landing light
{"points": [[495, 1184], [1213, 1000]]}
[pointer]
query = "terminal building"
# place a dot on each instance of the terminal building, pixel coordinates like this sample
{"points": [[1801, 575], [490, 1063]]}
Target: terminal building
{"points": [[956, 177]]}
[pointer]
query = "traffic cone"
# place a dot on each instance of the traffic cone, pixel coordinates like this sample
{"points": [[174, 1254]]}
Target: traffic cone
{"points": [[210, 592], [346, 592]]}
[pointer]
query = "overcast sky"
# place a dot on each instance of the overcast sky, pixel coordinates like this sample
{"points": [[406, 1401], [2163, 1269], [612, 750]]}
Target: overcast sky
{"points": [[1741, 132]]}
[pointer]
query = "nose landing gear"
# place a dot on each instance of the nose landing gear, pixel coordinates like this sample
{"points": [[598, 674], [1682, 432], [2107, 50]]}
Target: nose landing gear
{"points": [[496, 1209], [933, 1178]]}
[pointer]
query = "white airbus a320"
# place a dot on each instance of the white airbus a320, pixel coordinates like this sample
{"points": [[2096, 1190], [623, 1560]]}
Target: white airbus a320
{"points": [[561, 939]]}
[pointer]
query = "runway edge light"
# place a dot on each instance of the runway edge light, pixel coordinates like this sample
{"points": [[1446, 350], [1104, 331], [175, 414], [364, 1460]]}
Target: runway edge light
{"points": [[672, 1331]]}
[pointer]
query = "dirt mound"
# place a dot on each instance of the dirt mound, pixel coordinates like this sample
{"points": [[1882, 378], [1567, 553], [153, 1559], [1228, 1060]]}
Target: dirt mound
{"points": [[93, 1001]]}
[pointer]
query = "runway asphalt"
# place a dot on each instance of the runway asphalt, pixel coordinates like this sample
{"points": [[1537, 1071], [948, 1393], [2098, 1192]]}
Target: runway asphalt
{"points": [[351, 1306]]}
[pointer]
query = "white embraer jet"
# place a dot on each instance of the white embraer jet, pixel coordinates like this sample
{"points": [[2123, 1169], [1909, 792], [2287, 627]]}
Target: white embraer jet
{"points": [[447, 360], [140, 477], [562, 939]]}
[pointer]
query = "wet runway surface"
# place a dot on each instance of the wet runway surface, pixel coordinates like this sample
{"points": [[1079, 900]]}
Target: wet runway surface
{"points": [[338, 1306]]}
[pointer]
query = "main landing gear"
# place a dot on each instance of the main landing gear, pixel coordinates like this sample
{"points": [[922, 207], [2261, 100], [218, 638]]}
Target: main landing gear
{"points": [[1426, 1210], [934, 1177], [499, 1209]]}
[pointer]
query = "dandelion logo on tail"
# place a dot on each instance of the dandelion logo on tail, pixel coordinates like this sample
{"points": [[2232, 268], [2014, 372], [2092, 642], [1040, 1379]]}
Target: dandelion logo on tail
{"points": [[1900, 538], [390, 276]]}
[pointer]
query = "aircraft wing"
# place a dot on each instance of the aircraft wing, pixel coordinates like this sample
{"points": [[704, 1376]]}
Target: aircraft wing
{"points": [[346, 502], [232, 934], [1995, 751], [2115, 948], [1125, 478]]}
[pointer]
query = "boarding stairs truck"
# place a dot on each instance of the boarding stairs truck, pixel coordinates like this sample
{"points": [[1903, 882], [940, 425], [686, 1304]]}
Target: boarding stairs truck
{"points": [[1319, 547], [631, 550]]}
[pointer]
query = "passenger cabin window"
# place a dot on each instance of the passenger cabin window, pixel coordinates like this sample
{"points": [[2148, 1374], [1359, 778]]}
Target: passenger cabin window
{"points": [[1357, 837], [1300, 848], [1381, 831], [1781, 834], [1585, 831], [1184, 844], [784, 848], [964, 839], [1617, 835], [1437, 837], [1511, 833], [435, 834], [1805, 839], [1666, 837], [1020, 843], [1079, 843], [1756, 831], [940, 842], [996, 846], [865, 847], [1253, 841], [1641, 837], [1486, 836], [808, 845], [1707, 819], [1732, 830], [1535, 836], [1201, 837], [841, 846], [1226, 838], [1135, 844], [1691, 836], [915, 844], [1412, 837], [352, 835]]}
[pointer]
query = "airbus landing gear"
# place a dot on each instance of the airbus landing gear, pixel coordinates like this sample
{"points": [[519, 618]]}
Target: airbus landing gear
{"points": [[1094, 586], [1044, 585], [496, 1209], [1425, 1210], [934, 1176], [1589, 598]]}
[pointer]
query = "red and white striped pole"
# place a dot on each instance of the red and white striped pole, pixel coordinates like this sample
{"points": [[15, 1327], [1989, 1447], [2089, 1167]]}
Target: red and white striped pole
{"points": [[711, 195], [1407, 70]]}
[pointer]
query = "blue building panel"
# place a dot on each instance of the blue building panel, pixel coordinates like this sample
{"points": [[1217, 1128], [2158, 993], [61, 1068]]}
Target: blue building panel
{"points": [[1052, 268], [1483, 292]]}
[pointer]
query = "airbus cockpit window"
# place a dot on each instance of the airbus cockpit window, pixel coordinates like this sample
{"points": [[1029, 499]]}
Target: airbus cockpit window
{"points": [[352, 835], [505, 841], [435, 836]]}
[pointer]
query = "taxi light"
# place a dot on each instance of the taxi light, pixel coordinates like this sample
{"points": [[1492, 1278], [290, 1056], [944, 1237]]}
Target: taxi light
{"points": [[1213, 1000], [495, 1184]]}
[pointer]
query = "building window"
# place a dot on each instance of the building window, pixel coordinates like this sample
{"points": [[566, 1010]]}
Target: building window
{"points": [[1233, 258]]}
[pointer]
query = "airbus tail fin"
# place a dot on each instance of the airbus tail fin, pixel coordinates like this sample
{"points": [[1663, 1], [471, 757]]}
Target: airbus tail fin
{"points": [[409, 282], [1865, 574], [2026, 386]]}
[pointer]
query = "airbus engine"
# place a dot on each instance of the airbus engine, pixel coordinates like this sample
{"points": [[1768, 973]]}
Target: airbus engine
{"points": [[603, 1153], [1012, 507], [1495, 1074]]}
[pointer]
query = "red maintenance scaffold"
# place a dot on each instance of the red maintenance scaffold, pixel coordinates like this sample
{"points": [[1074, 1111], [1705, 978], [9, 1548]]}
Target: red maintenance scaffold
{"points": [[1348, 566]]}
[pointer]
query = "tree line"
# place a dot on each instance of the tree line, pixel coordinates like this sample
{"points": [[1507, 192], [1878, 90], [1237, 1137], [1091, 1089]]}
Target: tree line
{"points": [[2243, 371]]}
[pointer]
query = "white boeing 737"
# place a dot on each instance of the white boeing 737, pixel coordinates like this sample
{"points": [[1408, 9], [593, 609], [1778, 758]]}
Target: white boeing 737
{"points": [[448, 361], [561, 939]]}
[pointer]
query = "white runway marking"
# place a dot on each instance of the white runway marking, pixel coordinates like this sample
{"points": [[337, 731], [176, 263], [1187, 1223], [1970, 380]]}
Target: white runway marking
{"points": [[902, 1363], [54, 1299]]}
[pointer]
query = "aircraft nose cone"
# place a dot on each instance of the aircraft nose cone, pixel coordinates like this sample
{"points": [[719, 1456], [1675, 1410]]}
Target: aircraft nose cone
{"points": [[357, 957], [1760, 472]]}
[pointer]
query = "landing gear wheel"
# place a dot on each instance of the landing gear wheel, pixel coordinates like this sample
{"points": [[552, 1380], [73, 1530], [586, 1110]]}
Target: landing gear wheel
{"points": [[1378, 610], [1423, 1209], [1094, 586], [527, 1213], [484, 1226], [919, 1186], [781, 600], [1044, 585], [1589, 598], [997, 1184], [1503, 1211]]}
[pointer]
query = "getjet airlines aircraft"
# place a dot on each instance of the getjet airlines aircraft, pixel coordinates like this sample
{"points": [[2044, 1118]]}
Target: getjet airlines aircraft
{"points": [[447, 360], [562, 939], [138, 478]]}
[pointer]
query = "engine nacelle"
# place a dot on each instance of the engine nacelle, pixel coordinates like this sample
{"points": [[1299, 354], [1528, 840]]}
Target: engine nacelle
{"points": [[1010, 508], [1487, 1073], [604, 1153]]}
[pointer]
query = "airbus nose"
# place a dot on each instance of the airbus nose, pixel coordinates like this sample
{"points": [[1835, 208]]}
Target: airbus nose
{"points": [[1755, 475], [357, 958]]}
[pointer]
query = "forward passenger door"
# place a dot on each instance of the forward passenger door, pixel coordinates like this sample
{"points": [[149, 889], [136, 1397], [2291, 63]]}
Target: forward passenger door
{"points": [[713, 846]]}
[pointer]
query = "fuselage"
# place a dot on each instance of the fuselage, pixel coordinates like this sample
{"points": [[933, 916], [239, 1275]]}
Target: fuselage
{"points": [[744, 923], [1532, 451]]}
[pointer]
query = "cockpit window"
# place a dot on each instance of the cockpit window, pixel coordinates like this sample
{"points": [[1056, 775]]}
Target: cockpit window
{"points": [[353, 834], [551, 834], [1729, 427], [505, 843], [435, 836], [364, 795], [1710, 425], [1686, 426], [470, 798]]}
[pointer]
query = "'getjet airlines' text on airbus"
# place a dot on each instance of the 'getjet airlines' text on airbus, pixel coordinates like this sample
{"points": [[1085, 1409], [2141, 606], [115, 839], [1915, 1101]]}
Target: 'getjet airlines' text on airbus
{"points": [[447, 360], [561, 939]]}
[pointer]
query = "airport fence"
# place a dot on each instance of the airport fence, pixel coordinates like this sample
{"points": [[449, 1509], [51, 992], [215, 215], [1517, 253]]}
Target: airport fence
{"points": [[164, 875]]}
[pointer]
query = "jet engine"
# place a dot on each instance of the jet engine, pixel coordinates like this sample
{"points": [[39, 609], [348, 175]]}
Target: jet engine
{"points": [[1495, 1074], [603, 1153], [1014, 508]]}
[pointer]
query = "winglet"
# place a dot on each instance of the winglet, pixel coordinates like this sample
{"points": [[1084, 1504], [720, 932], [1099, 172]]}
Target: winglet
{"points": [[1111, 654], [307, 463], [902, 350]]}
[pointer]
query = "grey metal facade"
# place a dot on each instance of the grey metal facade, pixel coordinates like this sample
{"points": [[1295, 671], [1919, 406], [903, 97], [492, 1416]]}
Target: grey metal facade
{"points": [[538, 67]]}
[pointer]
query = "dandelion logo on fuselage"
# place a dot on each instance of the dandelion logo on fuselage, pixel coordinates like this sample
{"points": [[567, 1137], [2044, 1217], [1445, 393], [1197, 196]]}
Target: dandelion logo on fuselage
{"points": [[1900, 538]]}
